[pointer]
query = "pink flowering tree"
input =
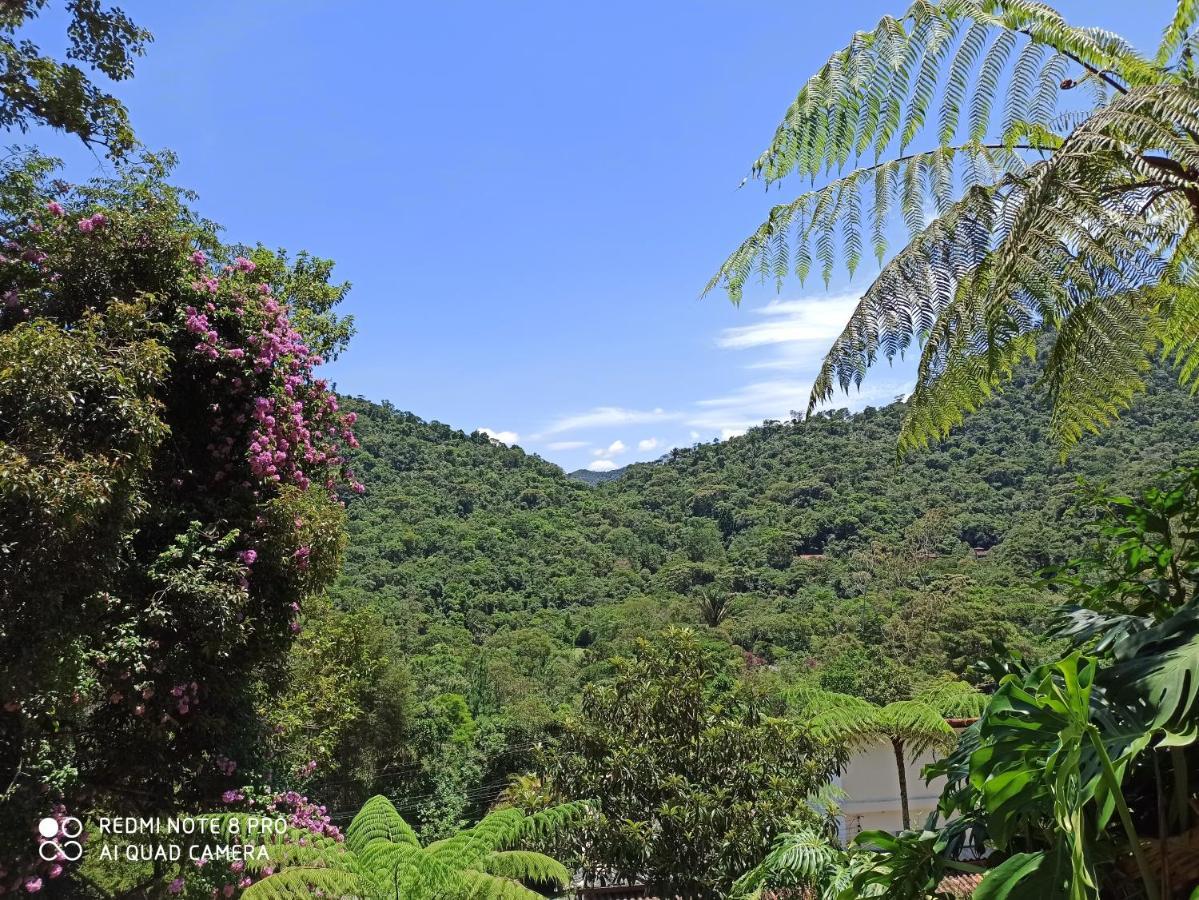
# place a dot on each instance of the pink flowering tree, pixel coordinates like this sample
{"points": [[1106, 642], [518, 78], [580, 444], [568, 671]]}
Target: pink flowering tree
{"points": [[171, 483]]}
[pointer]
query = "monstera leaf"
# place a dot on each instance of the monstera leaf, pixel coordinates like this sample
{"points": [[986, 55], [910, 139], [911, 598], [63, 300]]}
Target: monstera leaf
{"points": [[1157, 675], [906, 866], [1044, 875]]}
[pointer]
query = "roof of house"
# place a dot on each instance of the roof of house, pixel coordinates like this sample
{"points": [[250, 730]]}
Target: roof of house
{"points": [[962, 885]]}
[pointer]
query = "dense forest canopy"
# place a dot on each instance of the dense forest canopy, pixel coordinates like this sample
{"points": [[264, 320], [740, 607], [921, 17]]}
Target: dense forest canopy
{"points": [[503, 586]]}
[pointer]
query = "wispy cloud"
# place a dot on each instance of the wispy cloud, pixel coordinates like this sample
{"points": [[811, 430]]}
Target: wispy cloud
{"points": [[504, 437], [789, 321], [566, 445], [734, 413], [608, 417]]}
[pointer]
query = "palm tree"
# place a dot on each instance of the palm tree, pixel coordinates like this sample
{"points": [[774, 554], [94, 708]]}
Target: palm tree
{"points": [[1068, 224], [382, 858], [714, 605], [911, 726]]}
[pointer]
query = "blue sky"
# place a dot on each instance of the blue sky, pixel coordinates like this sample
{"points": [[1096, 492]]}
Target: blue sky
{"points": [[527, 196]]}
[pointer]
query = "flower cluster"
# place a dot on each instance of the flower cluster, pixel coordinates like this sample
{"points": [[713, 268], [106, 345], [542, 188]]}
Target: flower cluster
{"points": [[304, 814], [32, 877], [285, 421], [186, 696]]}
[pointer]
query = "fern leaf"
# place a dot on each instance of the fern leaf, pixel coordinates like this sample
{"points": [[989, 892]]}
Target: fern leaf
{"points": [[1185, 15], [378, 818], [306, 882], [526, 865]]}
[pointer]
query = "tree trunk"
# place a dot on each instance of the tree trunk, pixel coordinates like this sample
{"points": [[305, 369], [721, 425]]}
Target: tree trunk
{"points": [[897, 746]]}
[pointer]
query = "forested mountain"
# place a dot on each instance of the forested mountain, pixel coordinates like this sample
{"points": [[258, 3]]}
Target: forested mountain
{"points": [[589, 477], [502, 584]]}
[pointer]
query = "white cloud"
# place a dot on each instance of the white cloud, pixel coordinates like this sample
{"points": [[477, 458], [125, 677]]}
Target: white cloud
{"points": [[694, 435], [734, 413], [613, 449], [749, 405], [504, 437], [602, 465], [789, 321], [608, 416], [566, 445], [647, 444]]}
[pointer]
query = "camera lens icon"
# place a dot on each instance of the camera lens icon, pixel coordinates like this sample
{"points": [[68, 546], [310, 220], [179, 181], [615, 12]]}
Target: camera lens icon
{"points": [[58, 839]]}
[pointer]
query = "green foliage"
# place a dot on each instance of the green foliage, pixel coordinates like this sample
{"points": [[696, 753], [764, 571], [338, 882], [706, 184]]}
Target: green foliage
{"points": [[38, 89], [494, 578], [1080, 225], [799, 859], [150, 578], [1074, 762], [382, 855], [692, 774]]}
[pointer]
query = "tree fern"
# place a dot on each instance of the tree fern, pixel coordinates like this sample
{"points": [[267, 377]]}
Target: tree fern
{"points": [[1069, 224], [801, 859], [381, 854]]}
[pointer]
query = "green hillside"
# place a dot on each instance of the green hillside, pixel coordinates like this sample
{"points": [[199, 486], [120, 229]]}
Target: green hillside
{"points": [[498, 585]]}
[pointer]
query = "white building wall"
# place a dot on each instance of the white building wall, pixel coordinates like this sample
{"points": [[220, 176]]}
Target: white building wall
{"points": [[871, 784]]}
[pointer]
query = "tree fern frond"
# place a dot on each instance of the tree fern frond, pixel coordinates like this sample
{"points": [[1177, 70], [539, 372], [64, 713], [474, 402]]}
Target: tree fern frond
{"points": [[961, 70], [907, 297], [986, 85], [968, 376], [485, 886], [1185, 15], [919, 725], [1176, 326], [547, 823], [1072, 245], [813, 219], [802, 859], [1097, 364], [305, 882], [379, 818], [1022, 84], [526, 865], [381, 855], [952, 697]]}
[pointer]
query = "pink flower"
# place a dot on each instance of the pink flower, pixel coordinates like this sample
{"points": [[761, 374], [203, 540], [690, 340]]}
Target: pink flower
{"points": [[176, 886], [248, 557], [33, 885], [244, 265], [55, 208], [199, 258], [55, 870], [86, 225]]}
